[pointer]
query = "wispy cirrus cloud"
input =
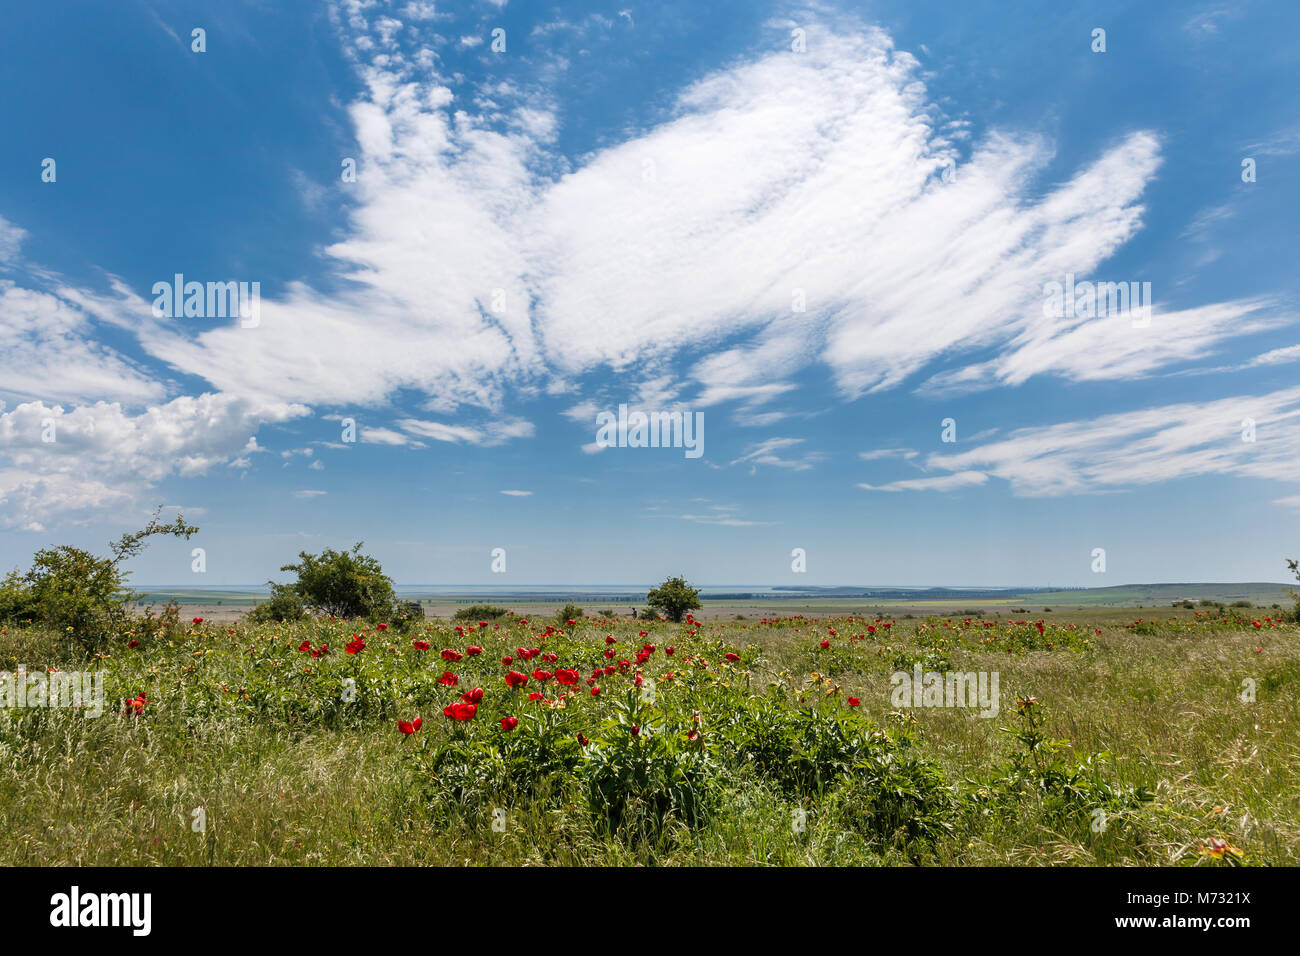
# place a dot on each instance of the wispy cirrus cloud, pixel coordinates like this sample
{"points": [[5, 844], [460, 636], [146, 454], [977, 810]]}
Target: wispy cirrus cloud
{"points": [[1245, 436]]}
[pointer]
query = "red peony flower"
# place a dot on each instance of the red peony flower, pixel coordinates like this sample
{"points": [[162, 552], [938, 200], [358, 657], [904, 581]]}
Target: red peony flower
{"points": [[473, 650], [356, 645], [732, 656], [449, 679], [854, 702], [460, 711], [825, 644], [450, 655], [420, 645], [541, 675], [516, 679], [507, 660], [595, 692], [509, 723], [409, 727], [198, 620], [135, 706], [381, 627], [472, 696]]}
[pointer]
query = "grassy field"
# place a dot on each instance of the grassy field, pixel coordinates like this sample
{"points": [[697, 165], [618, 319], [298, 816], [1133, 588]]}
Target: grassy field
{"points": [[1117, 742]]}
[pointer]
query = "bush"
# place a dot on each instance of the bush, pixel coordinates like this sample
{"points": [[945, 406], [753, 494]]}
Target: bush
{"points": [[570, 612], [479, 612], [342, 584], [70, 589], [285, 604], [674, 597]]}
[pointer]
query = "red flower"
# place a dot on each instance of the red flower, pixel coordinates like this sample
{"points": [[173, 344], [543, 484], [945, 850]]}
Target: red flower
{"points": [[450, 655], [356, 645], [420, 645], [381, 627], [582, 741], [198, 620], [135, 706], [516, 679], [636, 730], [570, 622], [449, 679], [609, 654], [566, 677], [507, 660], [409, 727], [854, 702], [133, 643], [541, 675], [460, 711], [472, 696], [595, 692], [610, 639], [669, 650], [536, 695], [305, 646], [732, 656], [509, 723], [473, 650], [642, 633]]}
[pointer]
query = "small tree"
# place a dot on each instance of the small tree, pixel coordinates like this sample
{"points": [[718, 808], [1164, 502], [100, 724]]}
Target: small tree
{"points": [[340, 583], [71, 589], [674, 597]]}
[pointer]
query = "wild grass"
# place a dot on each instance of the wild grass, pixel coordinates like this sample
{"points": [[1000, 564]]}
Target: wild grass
{"points": [[242, 726]]}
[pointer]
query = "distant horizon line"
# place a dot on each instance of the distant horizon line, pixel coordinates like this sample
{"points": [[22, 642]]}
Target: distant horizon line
{"points": [[751, 587]]}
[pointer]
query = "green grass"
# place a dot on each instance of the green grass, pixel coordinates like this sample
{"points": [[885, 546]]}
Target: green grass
{"points": [[254, 732]]}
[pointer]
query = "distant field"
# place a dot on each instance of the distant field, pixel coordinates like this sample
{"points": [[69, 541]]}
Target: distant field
{"points": [[227, 604]]}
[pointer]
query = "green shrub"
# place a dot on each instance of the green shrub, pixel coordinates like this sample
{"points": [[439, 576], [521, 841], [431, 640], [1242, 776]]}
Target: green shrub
{"points": [[570, 612], [674, 597], [342, 584], [285, 604], [480, 612], [71, 590]]}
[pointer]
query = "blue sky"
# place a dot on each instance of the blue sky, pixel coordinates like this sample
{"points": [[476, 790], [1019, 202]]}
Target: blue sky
{"points": [[624, 205]]}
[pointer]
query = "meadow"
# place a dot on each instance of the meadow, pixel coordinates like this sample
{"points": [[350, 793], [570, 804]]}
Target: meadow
{"points": [[1156, 738]]}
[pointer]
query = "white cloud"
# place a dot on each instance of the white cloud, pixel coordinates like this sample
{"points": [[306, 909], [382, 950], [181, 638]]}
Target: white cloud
{"points": [[47, 351], [811, 177], [1129, 449], [11, 240], [491, 433], [962, 479], [766, 453], [517, 494], [103, 456]]}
